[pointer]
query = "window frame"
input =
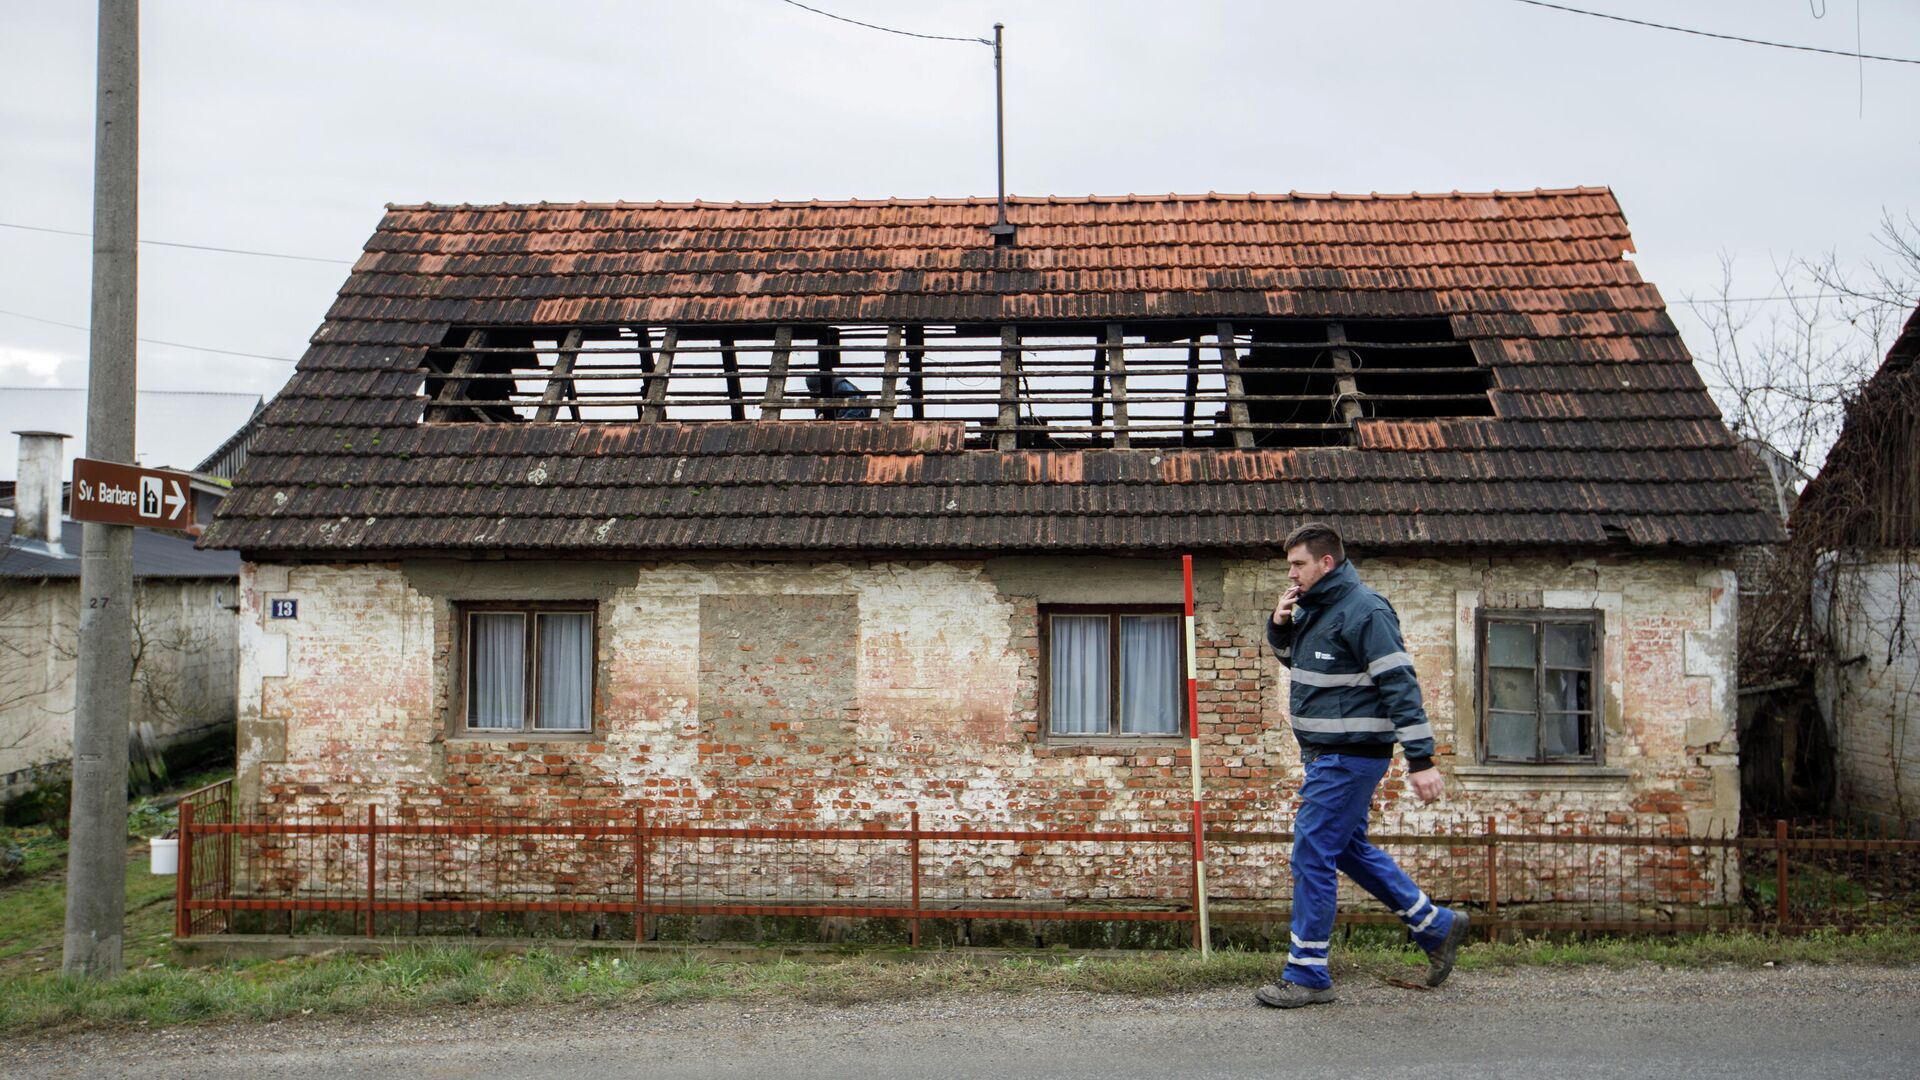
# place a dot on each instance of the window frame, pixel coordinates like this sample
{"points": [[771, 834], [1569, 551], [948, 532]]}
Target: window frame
{"points": [[1592, 618], [1113, 732], [460, 714]]}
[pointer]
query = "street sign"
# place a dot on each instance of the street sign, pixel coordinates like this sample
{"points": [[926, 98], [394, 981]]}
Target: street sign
{"points": [[114, 494]]}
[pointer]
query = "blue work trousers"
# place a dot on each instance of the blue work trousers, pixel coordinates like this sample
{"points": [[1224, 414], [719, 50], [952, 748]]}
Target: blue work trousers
{"points": [[1330, 838]]}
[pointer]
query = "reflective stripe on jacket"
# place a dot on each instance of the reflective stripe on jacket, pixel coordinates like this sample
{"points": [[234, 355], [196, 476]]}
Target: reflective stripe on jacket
{"points": [[1353, 683]]}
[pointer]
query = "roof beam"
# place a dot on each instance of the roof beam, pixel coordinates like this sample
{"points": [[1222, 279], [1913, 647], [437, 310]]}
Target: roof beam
{"points": [[827, 357], [770, 403], [1347, 390], [455, 386], [644, 348], [916, 355], [1008, 437], [560, 378], [730, 363], [890, 372], [1236, 390], [655, 410], [1190, 407], [1116, 357]]}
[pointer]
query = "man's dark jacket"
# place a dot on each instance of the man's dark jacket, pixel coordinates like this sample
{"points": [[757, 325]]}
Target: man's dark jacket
{"points": [[1354, 690]]}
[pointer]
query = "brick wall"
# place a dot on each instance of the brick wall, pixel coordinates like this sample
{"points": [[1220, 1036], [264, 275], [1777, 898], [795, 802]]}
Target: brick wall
{"points": [[840, 693]]}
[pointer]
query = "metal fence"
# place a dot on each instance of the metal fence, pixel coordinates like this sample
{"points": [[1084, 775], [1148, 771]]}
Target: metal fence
{"points": [[398, 869]]}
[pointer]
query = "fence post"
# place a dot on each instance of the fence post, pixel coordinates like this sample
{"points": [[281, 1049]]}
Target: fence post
{"points": [[913, 856], [224, 849], [1493, 874], [640, 873], [371, 810], [183, 876], [1780, 875]]}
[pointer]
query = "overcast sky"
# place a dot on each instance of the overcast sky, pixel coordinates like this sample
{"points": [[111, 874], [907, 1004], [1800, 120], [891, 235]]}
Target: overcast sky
{"points": [[285, 126]]}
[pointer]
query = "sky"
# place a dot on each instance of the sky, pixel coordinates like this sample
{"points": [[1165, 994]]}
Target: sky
{"points": [[286, 125]]}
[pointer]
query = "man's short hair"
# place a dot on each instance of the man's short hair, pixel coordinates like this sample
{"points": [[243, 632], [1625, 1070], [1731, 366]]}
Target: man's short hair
{"points": [[1320, 538]]}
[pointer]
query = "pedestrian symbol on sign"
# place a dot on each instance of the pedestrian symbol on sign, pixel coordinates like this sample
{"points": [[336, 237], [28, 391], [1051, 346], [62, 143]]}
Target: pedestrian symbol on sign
{"points": [[149, 496]]}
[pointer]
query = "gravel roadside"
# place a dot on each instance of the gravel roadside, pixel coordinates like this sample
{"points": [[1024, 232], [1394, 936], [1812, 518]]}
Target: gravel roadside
{"points": [[1847, 1020]]}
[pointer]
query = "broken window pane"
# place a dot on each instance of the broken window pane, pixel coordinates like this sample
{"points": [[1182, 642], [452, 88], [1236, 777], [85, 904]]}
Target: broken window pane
{"points": [[1569, 645], [1570, 690]]}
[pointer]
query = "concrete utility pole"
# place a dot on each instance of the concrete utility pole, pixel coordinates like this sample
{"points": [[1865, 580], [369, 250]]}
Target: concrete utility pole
{"points": [[97, 846]]}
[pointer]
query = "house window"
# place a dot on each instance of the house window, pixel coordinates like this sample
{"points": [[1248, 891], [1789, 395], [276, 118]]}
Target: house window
{"points": [[527, 667], [1114, 671], [1540, 686]]}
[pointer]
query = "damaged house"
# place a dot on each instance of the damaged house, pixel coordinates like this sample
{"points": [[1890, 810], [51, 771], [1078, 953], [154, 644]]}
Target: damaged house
{"points": [[1858, 525], [797, 513]]}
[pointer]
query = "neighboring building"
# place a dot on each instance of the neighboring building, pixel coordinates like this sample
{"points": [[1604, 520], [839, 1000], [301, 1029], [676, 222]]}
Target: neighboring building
{"points": [[177, 429], [799, 511], [1861, 518], [223, 462], [183, 628]]}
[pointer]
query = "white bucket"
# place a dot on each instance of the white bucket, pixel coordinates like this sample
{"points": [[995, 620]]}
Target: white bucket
{"points": [[163, 856]]}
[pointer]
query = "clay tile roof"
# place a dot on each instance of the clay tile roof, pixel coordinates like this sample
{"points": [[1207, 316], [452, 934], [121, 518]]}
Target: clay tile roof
{"points": [[1603, 435]]}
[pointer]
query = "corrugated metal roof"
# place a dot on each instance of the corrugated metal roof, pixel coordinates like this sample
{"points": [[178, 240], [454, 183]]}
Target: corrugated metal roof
{"points": [[1603, 430], [155, 555]]}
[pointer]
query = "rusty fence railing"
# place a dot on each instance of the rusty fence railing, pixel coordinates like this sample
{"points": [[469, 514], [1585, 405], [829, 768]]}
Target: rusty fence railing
{"points": [[374, 869], [206, 860]]}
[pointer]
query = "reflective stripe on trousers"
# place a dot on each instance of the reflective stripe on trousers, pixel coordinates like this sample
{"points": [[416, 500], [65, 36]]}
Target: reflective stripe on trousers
{"points": [[1329, 839]]}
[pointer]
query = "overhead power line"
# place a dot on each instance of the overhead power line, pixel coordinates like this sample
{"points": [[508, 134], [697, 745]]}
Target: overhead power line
{"points": [[887, 29], [1855, 55], [190, 247], [1889, 298], [144, 392], [154, 341]]}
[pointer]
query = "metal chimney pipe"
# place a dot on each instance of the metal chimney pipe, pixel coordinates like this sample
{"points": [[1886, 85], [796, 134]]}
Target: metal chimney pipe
{"points": [[1001, 230], [36, 491]]}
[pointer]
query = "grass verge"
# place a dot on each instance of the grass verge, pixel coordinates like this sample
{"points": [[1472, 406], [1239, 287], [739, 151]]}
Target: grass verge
{"points": [[432, 977], [33, 905]]}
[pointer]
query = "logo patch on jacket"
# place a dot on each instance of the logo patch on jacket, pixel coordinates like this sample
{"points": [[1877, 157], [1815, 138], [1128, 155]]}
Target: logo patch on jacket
{"points": [[1318, 655]]}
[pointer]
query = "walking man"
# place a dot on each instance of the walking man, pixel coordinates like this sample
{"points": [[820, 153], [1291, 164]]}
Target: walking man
{"points": [[1354, 695]]}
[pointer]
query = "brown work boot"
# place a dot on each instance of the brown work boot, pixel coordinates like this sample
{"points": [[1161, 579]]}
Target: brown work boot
{"points": [[1440, 960], [1291, 995]]}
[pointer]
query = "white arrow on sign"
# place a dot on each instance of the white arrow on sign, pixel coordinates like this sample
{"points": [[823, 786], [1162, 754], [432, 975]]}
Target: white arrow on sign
{"points": [[175, 499]]}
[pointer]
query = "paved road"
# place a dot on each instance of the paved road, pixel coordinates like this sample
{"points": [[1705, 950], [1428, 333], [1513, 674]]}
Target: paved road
{"points": [[1857, 1023]]}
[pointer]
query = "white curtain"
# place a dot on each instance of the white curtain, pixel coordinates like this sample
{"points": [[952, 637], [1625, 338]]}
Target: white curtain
{"points": [[1150, 687], [565, 678], [496, 670], [1080, 675]]}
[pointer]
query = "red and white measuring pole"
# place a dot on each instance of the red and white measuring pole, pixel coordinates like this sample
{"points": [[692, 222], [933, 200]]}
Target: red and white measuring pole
{"points": [[1193, 759]]}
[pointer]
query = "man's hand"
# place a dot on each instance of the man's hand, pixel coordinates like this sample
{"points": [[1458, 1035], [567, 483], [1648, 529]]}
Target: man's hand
{"points": [[1283, 611], [1427, 784]]}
